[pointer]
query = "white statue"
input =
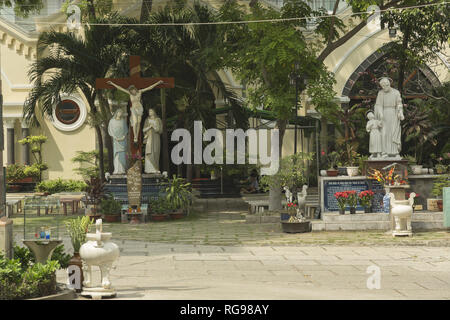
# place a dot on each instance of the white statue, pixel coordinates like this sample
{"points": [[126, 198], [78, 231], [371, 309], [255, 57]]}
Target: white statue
{"points": [[118, 130], [389, 110], [152, 131], [374, 127], [288, 194], [301, 200], [136, 105]]}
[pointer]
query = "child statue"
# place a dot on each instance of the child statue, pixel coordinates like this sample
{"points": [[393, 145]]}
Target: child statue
{"points": [[374, 127]]}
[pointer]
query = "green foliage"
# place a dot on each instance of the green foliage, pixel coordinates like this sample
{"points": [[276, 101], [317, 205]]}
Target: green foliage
{"points": [[88, 162], [23, 8], [102, 8], [178, 192], [15, 172], [110, 206], [77, 229], [35, 143], [24, 279], [24, 256], [61, 257], [439, 184], [60, 185], [263, 55], [159, 206], [292, 173]]}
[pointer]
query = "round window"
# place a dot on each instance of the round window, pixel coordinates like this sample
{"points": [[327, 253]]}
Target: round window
{"points": [[67, 111], [69, 114]]}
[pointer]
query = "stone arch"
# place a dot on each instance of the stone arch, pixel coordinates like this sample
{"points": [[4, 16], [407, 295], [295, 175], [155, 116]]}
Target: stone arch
{"points": [[429, 74]]}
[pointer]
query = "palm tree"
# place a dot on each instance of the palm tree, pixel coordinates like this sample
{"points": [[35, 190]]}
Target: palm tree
{"points": [[70, 63]]}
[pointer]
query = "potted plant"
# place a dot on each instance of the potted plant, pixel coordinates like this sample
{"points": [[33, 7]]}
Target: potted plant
{"points": [[438, 186], [352, 161], [440, 166], [365, 199], [332, 162], [341, 198], [158, 209], [352, 201], [77, 229], [294, 224], [111, 209], [415, 168], [178, 195], [94, 194]]}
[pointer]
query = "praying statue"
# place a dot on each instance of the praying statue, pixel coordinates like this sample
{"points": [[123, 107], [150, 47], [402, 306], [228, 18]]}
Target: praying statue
{"points": [[136, 105], [389, 110], [374, 127], [118, 130], [152, 131]]}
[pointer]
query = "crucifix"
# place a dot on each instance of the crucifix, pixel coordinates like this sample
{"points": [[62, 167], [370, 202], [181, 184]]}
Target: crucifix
{"points": [[135, 85]]}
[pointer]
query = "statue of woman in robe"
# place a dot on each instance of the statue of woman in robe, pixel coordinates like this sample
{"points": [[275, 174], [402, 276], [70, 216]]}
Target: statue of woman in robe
{"points": [[152, 131], [389, 110], [118, 130]]}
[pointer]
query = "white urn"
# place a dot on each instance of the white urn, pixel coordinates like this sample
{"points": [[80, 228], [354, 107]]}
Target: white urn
{"points": [[98, 251]]}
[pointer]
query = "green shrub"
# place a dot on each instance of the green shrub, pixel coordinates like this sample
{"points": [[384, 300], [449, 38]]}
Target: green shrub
{"points": [[33, 281], [60, 185], [110, 206]]}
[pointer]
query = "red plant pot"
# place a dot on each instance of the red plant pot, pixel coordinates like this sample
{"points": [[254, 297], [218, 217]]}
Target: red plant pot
{"points": [[332, 173]]}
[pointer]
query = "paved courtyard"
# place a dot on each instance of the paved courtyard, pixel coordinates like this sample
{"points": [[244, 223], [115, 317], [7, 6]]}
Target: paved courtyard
{"points": [[173, 271], [216, 255]]}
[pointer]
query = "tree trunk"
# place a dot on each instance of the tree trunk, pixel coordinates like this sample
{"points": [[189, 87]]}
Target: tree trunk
{"points": [[101, 166], [275, 192], [146, 8], [401, 69], [165, 142]]}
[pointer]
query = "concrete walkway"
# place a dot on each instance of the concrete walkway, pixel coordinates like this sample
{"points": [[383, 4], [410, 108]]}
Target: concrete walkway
{"points": [[175, 271]]}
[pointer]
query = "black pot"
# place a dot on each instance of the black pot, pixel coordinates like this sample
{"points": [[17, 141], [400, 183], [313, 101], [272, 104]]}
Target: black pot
{"points": [[352, 210], [367, 209], [342, 171], [296, 227]]}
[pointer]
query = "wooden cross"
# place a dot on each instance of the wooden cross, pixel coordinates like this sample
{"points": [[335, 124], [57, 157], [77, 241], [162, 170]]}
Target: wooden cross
{"points": [[140, 83]]}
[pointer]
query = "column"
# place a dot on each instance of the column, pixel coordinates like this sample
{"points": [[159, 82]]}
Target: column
{"points": [[9, 124], [25, 147]]}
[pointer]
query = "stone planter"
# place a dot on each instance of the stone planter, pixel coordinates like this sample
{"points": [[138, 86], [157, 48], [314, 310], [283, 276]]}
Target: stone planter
{"points": [[332, 173], [417, 169], [179, 214], [342, 171], [158, 217], [352, 171], [296, 227], [111, 218]]}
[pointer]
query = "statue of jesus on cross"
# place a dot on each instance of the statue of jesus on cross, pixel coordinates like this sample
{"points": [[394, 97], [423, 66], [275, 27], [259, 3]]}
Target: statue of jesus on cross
{"points": [[136, 105]]}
